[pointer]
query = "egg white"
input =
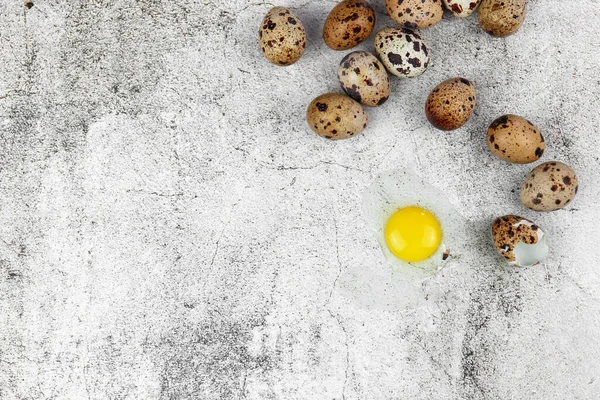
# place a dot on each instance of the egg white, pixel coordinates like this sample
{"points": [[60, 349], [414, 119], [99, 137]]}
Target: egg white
{"points": [[397, 189]]}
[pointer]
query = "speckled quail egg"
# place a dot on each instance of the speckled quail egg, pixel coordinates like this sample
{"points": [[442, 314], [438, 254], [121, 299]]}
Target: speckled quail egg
{"points": [[461, 8], [415, 13], [282, 37], [450, 104], [514, 139], [402, 51], [521, 242], [336, 116], [501, 18], [348, 24], [417, 229], [364, 78], [549, 186]]}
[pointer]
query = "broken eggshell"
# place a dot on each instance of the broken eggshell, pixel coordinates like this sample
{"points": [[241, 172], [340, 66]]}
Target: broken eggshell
{"points": [[521, 242]]}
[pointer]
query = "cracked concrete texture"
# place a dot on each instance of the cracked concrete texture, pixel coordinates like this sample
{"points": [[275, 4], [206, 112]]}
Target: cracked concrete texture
{"points": [[171, 229]]}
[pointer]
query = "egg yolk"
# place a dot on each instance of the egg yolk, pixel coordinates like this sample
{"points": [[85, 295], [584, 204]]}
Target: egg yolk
{"points": [[413, 234]]}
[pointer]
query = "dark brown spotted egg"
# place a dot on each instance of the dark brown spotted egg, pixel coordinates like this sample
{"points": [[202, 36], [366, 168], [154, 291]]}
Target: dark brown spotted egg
{"points": [[402, 52], [415, 13], [336, 116], [348, 24], [514, 139], [282, 37], [461, 8], [521, 242], [451, 103], [364, 78], [549, 186], [501, 18]]}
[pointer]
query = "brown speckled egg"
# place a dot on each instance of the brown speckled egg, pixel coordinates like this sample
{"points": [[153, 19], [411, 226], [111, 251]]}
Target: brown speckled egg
{"points": [[461, 8], [549, 186], [402, 51], [514, 139], [415, 13], [282, 37], [364, 78], [501, 18], [450, 104], [521, 242], [348, 24], [336, 116]]}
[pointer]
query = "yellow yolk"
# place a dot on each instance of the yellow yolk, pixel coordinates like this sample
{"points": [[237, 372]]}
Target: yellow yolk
{"points": [[413, 234]]}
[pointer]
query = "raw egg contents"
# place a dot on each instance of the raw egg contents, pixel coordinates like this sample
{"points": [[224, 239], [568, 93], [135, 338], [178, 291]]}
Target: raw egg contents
{"points": [[416, 226], [413, 234]]}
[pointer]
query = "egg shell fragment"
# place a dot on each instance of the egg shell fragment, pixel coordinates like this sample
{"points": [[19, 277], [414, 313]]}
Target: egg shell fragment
{"points": [[364, 78], [515, 139], [461, 8], [451, 103], [348, 24], [549, 186], [336, 116], [521, 242], [402, 52], [282, 37], [415, 13], [501, 18]]}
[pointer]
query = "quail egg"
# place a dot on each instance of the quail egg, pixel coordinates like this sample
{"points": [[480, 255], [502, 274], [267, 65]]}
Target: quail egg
{"points": [[515, 139], [450, 104], [501, 18], [282, 36], [348, 24], [336, 116], [521, 242], [461, 8], [415, 13], [402, 51], [364, 78], [549, 186]]}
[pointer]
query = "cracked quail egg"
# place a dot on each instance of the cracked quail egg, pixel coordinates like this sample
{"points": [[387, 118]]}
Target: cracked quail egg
{"points": [[521, 242], [417, 229]]}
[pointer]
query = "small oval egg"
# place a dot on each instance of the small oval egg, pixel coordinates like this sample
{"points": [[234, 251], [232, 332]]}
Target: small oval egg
{"points": [[501, 18], [549, 186], [451, 103], [364, 78], [282, 37], [336, 116], [417, 229], [514, 139], [402, 52], [415, 13], [521, 242], [348, 24], [461, 8]]}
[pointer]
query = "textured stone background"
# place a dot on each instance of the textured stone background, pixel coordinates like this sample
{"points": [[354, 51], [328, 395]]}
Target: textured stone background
{"points": [[171, 229]]}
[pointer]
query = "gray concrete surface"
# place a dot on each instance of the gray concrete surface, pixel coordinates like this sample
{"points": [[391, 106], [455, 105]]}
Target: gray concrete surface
{"points": [[171, 229]]}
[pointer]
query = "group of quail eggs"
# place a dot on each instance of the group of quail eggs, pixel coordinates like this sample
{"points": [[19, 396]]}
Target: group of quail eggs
{"points": [[400, 51]]}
